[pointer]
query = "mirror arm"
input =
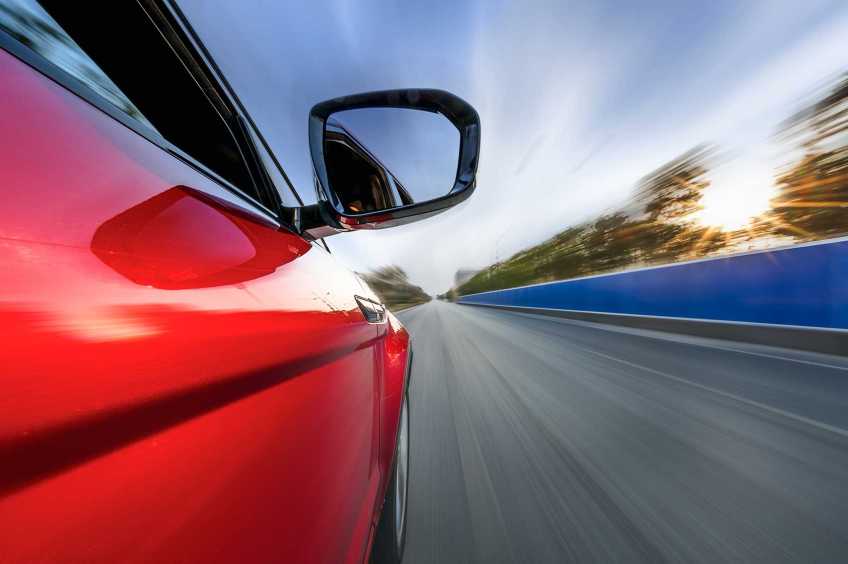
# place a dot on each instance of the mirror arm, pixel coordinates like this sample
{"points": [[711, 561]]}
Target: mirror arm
{"points": [[313, 222]]}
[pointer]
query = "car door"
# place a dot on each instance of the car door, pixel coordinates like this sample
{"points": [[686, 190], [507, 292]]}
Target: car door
{"points": [[184, 378]]}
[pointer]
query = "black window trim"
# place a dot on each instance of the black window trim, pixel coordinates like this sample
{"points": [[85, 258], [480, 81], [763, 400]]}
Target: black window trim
{"points": [[47, 68], [177, 35], [224, 89]]}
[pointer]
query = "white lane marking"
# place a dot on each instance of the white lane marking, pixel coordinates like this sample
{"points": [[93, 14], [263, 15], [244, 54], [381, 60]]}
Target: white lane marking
{"points": [[753, 403], [674, 337], [767, 355]]}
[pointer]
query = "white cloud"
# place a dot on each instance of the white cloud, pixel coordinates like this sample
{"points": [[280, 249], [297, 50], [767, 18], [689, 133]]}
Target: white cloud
{"points": [[577, 100]]}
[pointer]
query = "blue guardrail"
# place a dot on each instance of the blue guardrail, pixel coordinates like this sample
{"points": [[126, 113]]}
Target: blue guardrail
{"points": [[805, 286]]}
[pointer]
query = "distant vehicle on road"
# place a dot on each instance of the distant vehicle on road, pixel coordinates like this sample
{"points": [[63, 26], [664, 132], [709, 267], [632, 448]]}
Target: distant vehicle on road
{"points": [[188, 375]]}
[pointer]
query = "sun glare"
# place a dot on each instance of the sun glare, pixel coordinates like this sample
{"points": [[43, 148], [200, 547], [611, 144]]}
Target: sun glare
{"points": [[735, 198]]}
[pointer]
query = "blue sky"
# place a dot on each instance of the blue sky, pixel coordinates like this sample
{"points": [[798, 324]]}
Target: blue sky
{"points": [[421, 149], [577, 100]]}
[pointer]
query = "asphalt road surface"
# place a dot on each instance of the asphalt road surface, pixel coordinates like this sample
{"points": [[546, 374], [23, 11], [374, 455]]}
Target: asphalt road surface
{"points": [[536, 439]]}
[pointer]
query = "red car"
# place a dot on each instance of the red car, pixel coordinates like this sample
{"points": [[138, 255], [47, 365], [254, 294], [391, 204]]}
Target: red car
{"points": [[187, 373]]}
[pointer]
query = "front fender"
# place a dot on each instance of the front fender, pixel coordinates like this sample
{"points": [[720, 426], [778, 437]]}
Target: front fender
{"points": [[396, 350]]}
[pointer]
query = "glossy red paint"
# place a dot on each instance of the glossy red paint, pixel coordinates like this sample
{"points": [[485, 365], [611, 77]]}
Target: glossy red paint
{"points": [[182, 381]]}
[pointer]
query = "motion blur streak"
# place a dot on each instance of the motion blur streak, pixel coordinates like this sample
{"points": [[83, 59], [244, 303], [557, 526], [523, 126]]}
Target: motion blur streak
{"points": [[706, 203], [801, 286], [545, 440], [585, 105]]}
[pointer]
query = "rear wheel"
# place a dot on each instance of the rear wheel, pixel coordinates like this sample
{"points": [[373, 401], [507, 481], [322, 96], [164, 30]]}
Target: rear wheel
{"points": [[391, 532]]}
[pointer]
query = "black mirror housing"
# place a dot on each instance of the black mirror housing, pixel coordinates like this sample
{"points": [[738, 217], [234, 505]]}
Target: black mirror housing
{"points": [[330, 215]]}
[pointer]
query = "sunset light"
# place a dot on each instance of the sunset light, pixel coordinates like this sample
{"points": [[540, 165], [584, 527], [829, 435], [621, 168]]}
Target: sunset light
{"points": [[738, 195]]}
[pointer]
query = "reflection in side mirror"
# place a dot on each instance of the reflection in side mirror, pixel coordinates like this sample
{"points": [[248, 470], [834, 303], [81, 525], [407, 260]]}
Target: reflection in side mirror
{"points": [[388, 158], [418, 154]]}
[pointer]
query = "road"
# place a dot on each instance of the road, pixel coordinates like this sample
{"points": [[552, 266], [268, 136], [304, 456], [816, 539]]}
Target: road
{"points": [[536, 439]]}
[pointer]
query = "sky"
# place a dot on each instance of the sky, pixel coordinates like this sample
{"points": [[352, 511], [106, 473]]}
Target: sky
{"points": [[420, 148], [577, 100]]}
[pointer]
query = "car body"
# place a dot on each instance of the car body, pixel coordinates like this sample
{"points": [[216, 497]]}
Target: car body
{"points": [[187, 375]]}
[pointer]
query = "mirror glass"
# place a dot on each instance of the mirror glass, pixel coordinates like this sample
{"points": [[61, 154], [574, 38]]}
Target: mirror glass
{"points": [[383, 158]]}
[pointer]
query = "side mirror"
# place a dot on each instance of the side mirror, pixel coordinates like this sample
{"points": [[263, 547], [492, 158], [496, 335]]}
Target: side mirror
{"points": [[388, 158]]}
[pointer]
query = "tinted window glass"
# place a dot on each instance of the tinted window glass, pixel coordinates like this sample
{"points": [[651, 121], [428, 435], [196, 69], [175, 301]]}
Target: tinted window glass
{"points": [[282, 186], [140, 63], [26, 21]]}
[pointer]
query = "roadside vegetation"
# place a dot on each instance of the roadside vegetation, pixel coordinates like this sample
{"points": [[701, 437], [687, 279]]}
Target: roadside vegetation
{"points": [[392, 284], [668, 218]]}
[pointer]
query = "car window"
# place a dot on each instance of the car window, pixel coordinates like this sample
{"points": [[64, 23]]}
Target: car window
{"points": [[280, 183], [130, 64], [30, 24]]}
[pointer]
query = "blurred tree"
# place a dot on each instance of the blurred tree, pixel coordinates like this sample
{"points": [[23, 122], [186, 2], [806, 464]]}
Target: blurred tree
{"points": [[659, 228], [392, 285], [660, 224], [671, 196], [813, 193], [609, 242], [672, 192]]}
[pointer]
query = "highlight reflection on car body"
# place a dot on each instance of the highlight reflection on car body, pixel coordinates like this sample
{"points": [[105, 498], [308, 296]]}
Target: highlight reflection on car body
{"points": [[188, 374]]}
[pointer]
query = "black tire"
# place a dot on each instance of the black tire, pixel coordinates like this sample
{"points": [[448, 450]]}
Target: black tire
{"points": [[391, 531]]}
